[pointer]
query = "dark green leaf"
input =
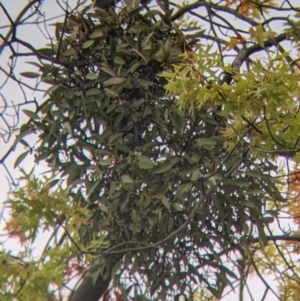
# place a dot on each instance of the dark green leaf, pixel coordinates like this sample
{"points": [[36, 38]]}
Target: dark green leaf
{"points": [[178, 207], [94, 91], [118, 60], [161, 168], [88, 44], [31, 114], [145, 162], [108, 71], [69, 52], [126, 179], [115, 138], [165, 202], [96, 34], [46, 51], [115, 81], [91, 76], [30, 74], [206, 141], [20, 159]]}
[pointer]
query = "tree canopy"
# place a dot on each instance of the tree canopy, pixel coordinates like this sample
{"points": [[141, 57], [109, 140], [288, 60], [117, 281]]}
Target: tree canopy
{"points": [[171, 135]]}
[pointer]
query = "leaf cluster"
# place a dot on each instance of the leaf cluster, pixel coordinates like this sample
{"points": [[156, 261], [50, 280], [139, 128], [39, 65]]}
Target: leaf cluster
{"points": [[161, 184]]}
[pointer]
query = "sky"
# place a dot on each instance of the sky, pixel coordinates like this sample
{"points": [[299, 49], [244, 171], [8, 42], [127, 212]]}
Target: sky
{"points": [[35, 35]]}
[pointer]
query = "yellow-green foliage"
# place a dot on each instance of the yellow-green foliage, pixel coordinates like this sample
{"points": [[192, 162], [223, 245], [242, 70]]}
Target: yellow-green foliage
{"points": [[260, 106], [37, 210]]}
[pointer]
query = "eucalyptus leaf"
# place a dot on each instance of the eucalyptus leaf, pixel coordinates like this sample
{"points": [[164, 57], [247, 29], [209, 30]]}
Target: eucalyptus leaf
{"points": [[178, 207], [145, 162], [88, 44], [126, 179], [20, 159], [92, 76], [30, 114], [29, 74], [161, 168], [115, 81]]}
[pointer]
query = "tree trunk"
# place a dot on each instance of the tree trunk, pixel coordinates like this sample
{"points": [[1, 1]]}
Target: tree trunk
{"points": [[89, 292]]}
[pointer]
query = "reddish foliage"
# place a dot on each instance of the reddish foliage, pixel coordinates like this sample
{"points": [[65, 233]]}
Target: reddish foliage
{"points": [[294, 182], [118, 296], [106, 296], [243, 6], [240, 38], [13, 230]]}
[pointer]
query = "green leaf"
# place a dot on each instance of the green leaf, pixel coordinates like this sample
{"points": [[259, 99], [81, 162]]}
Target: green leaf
{"points": [[46, 51], [96, 274], [103, 208], [68, 128], [145, 162], [194, 174], [91, 188], [93, 91], [206, 141], [98, 33], [118, 119], [111, 108], [108, 70], [215, 292], [249, 204], [115, 81], [114, 139], [105, 134], [20, 159], [53, 183], [165, 202], [92, 76], [181, 189], [267, 219], [145, 83], [124, 204], [110, 92], [133, 68], [260, 35], [69, 52], [126, 179], [88, 44], [147, 38], [262, 240], [31, 114], [105, 162], [228, 271], [178, 207], [30, 74], [147, 201], [238, 183], [165, 166], [118, 60], [122, 147]]}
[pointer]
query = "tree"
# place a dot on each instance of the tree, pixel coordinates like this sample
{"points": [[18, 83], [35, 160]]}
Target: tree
{"points": [[163, 152]]}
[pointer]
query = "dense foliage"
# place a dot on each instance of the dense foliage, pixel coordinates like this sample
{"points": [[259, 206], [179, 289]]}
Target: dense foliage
{"points": [[162, 153]]}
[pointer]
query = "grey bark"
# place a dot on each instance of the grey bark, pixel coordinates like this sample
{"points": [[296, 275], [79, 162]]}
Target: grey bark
{"points": [[87, 291]]}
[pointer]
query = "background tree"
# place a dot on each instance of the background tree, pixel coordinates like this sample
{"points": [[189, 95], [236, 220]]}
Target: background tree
{"points": [[163, 151]]}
